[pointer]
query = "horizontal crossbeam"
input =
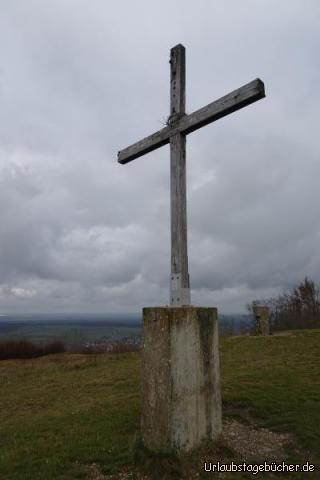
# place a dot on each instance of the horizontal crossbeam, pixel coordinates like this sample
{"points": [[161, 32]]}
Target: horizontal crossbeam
{"points": [[235, 100]]}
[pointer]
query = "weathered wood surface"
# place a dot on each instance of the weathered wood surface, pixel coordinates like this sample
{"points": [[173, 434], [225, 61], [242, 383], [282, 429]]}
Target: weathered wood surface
{"points": [[177, 81], [179, 258], [179, 290], [232, 102], [179, 125]]}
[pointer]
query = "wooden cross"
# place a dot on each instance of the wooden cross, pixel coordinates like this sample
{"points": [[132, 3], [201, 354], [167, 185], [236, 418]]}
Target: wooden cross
{"points": [[179, 124]]}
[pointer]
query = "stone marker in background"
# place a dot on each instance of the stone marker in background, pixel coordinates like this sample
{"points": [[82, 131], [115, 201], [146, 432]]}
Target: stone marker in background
{"points": [[180, 384], [262, 314]]}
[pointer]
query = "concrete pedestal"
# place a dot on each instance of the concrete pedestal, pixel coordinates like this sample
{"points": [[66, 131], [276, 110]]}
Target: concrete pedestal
{"points": [[181, 399], [262, 314]]}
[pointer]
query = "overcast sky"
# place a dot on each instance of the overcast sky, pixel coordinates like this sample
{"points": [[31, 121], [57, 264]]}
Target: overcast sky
{"points": [[81, 80]]}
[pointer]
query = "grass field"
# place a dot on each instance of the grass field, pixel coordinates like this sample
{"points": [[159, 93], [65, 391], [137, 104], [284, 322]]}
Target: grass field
{"points": [[76, 417]]}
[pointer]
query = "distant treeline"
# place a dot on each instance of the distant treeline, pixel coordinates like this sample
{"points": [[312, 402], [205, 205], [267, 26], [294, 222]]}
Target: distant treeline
{"points": [[24, 349], [298, 308], [12, 349]]}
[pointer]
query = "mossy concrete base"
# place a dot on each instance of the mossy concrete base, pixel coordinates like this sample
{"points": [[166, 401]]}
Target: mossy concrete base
{"points": [[181, 398]]}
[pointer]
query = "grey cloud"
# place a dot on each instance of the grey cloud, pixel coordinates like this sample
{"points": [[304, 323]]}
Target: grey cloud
{"points": [[78, 82]]}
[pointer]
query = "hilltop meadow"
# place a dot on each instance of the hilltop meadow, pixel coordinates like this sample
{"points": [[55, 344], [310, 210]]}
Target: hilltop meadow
{"points": [[72, 416]]}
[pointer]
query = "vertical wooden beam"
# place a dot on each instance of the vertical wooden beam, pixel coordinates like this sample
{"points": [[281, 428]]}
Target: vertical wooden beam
{"points": [[178, 80], [179, 282]]}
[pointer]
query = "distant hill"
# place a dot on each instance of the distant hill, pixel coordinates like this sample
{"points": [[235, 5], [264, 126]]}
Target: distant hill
{"points": [[234, 324], [80, 328], [72, 329]]}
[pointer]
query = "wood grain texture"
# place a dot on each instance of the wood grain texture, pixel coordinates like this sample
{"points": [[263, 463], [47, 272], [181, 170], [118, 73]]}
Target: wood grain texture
{"points": [[178, 181], [231, 102], [179, 125], [179, 255], [177, 82]]}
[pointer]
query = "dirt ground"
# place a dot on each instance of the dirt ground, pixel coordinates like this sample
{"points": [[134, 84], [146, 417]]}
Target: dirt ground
{"points": [[245, 442]]}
